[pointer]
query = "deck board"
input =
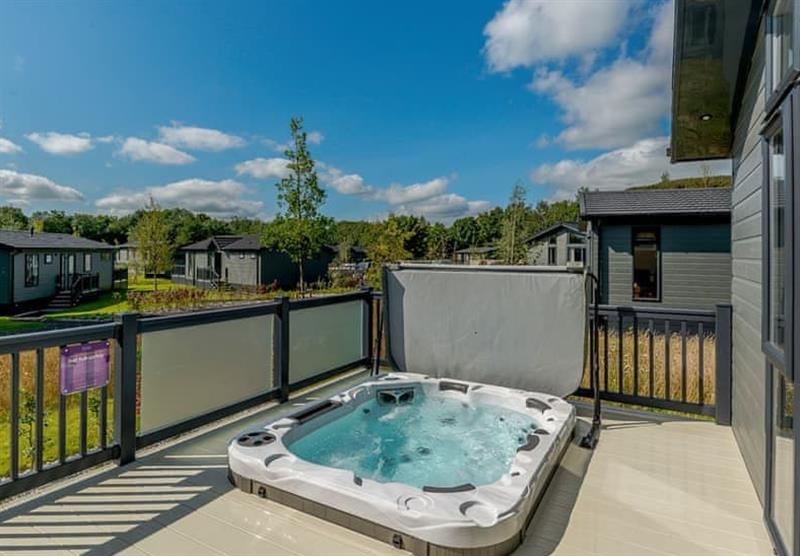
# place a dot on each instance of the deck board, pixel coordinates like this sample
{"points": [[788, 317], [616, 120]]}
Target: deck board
{"points": [[654, 486]]}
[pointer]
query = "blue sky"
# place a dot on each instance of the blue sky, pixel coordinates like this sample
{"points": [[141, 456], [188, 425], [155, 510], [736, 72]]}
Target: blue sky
{"points": [[432, 108]]}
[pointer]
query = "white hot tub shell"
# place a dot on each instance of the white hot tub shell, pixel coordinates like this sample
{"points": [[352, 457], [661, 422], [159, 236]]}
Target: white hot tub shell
{"points": [[486, 519]]}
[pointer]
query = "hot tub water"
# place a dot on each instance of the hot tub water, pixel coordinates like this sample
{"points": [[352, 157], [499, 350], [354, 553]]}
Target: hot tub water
{"points": [[437, 441]]}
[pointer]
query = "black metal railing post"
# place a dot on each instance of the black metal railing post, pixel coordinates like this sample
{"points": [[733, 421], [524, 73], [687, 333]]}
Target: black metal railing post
{"points": [[366, 325], [724, 370], [282, 359], [125, 387]]}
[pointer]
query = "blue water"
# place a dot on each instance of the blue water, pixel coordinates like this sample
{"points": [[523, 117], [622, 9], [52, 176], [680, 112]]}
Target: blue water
{"points": [[434, 441]]}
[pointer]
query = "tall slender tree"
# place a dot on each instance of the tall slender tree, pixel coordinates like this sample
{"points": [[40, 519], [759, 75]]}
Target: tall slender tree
{"points": [[152, 234], [300, 228], [512, 242]]}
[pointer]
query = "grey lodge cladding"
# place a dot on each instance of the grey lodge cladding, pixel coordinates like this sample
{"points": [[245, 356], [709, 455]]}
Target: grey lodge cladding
{"points": [[240, 261], [36, 266], [663, 247], [736, 94]]}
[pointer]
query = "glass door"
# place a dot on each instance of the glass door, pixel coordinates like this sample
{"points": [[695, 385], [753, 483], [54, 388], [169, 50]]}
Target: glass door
{"points": [[779, 335]]}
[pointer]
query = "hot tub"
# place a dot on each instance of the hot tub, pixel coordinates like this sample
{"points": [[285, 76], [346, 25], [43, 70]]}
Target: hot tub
{"points": [[433, 466]]}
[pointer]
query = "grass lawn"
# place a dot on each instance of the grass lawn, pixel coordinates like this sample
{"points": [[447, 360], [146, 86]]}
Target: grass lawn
{"points": [[8, 325], [112, 302], [51, 434]]}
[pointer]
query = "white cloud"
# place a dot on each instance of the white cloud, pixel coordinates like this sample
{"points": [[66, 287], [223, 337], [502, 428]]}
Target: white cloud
{"points": [[528, 32], [263, 168], [150, 151], [276, 146], [27, 187], [217, 198], [346, 184], [8, 147], [603, 107], [105, 139], [429, 198], [445, 207], [313, 137], [395, 194], [642, 163], [414, 193], [620, 103], [61, 143], [614, 107], [198, 138]]}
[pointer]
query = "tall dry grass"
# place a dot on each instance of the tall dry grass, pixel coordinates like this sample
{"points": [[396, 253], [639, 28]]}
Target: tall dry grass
{"points": [[614, 378], [27, 408]]}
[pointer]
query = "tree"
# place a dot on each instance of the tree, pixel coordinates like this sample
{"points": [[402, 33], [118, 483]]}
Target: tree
{"points": [[300, 227], [465, 232], [490, 226], [152, 233], [12, 218], [389, 247], [512, 241], [439, 242], [416, 228]]}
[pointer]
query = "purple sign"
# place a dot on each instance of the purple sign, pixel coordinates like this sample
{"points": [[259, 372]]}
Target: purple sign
{"points": [[84, 366]]}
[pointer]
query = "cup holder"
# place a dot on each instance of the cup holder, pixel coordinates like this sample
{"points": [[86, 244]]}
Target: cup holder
{"points": [[255, 439]]}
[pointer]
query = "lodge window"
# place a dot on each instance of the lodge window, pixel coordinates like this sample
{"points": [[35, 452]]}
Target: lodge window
{"points": [[782, 46], [552, 252], [577, 254], [87, 262], [31, 270], [776, 238], [646, 264], [779, 138], [48, 258]]}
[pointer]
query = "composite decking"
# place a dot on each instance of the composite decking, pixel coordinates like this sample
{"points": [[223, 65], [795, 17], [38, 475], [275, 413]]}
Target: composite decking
{"points": [[654, 486]]}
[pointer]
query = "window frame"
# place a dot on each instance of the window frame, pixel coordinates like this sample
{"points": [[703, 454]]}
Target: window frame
{"points": [[784, 114], [783, 119], [48, 258], [87, 257], [31, 278], [776, 92], [659, 283], [574, 249], [552, 249]]}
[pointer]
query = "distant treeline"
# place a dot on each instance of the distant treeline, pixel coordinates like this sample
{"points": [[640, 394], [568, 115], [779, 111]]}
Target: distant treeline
{"points": [[422, 239]]}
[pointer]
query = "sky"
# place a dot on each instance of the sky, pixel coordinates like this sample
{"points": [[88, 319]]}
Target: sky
{"points": [[428, 108]]}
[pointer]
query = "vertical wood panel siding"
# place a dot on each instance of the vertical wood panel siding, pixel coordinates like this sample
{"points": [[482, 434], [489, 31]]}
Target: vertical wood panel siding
{"points": [[748, 361], [240, 271]]}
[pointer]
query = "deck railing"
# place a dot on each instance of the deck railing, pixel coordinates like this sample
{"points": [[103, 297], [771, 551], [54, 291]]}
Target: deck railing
{"points": [[168, 375], [670, 359]]}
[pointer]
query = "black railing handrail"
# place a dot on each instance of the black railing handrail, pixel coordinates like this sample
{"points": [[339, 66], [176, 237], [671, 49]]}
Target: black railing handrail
{"points": [[648, 328], [662, 312], [82, 282], [126, 328], [123, 333]]}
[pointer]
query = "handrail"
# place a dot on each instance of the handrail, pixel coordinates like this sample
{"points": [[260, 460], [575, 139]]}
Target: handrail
{"points": [[125, 351], [82, 282]]}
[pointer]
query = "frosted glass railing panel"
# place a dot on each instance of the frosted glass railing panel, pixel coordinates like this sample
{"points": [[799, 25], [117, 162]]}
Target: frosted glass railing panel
{"points": [[323, 338], [190, 371]]}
